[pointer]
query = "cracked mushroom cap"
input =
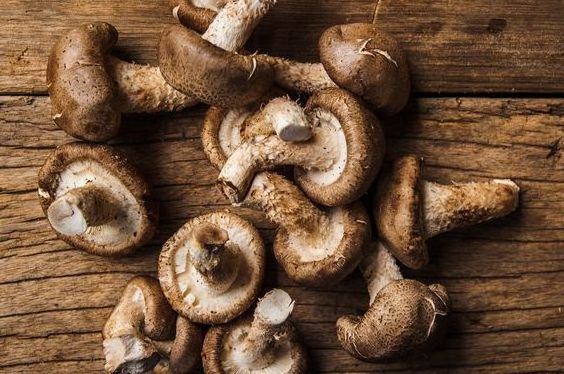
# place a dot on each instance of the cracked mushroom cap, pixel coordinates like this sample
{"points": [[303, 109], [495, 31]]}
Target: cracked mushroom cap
{"points": [[398, 212], [189, 290], [361, 144], [266, 342], [83, 95], [213, 75], [405, 316], [368, 62], [143, 332], [95, 200]]}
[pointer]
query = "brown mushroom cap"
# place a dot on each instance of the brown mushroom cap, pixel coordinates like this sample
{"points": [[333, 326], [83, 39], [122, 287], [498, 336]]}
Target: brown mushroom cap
{"points": [[406, 315], [140, 333], [195, 66], [364, 147], [76, 165], [221, 342], [192, 16], [398, 211], [369, 62], [184, 287], [83, 95]]}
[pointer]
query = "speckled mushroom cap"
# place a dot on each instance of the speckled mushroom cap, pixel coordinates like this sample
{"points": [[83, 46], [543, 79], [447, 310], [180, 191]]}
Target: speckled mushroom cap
{"points": [[398, 211], [215, 76], [143, 333], [361, 145], [197, 18], [83, 95], [185, 287], [76, 165], [368, 62], [290, 356], [406, 316]]}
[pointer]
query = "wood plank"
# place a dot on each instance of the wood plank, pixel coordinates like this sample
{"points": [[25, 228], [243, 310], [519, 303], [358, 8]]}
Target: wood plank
{"points": [[505, 277], [480, 45], [29, 28]]}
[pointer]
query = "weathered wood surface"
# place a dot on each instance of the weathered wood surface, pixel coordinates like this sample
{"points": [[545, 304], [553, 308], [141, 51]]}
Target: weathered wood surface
{"points": [[505, 278], [480, 45]]}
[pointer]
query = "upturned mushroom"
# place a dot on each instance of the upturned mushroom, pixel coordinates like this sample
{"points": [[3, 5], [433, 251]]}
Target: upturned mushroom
{"points": [[196, 14], [314, 247], [212, 269], [208, 67], [143, 333], [334, 167], [90, 89], [265, 343], [358, 57], [403, 316], [410, 209], [95, 200]]}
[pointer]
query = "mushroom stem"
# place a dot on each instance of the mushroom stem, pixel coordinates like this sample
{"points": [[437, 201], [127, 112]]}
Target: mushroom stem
{"points": [[299, 76], [379, 268], [267, 330], [285, 205], [213, 256], [282, 116], [142, 88], [80, 208], [446, 207], [235, 22], [262, 154]]}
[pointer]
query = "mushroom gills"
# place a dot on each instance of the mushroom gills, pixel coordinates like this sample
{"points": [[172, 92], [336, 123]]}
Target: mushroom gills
{"points": [[129, 353]]}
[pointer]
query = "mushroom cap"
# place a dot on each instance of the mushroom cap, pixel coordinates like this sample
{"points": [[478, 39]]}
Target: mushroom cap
{"points": [[405, 316], [293, 359], [397, 211], [327, 261], [188, 342], [377, 71], [76, 165], [83, 95], [196, 67], [188, 297], [191, 16], [360, 140], [223, 128]]}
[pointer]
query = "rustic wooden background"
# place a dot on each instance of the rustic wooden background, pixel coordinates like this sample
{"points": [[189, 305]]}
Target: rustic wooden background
{"points": [[488, 102]]}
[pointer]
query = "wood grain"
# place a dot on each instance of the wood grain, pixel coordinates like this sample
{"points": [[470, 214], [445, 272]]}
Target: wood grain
{"points": [[480, 46], [505, 277]]}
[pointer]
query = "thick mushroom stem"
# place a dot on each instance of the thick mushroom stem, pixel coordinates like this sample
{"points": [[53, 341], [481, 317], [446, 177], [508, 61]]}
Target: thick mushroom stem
{"points": [[267, 330], [379, 268], [142, 89], [80, 208], [282, 116], [285, 205], [299, 76], [320, 153], [213, 256], [235, 22], [446, 207]]}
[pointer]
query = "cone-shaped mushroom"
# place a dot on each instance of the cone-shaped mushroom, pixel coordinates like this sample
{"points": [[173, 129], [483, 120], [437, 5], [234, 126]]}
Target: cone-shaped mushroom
{"points": [[89, 88], [335, 166], [212, 269], [208, 67], [143, 333], [95, 200], [196, 14], [358, 57], [315, 247], [265, 343], [403, 316], [410, 209]]}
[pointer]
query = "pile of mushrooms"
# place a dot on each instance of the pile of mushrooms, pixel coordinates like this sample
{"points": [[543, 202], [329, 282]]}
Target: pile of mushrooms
{"points": [[305, 165]]}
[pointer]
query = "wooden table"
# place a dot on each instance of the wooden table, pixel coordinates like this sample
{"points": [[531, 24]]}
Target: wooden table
{"points": [[488, 102]]}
